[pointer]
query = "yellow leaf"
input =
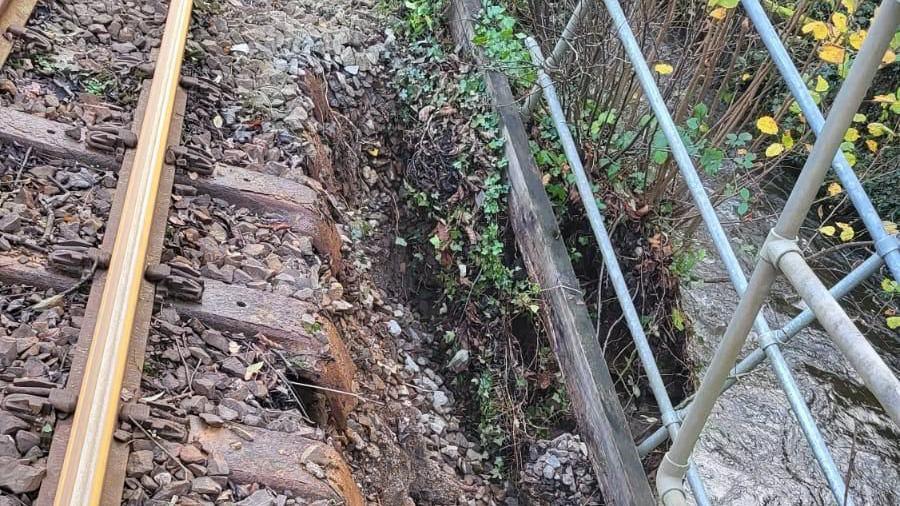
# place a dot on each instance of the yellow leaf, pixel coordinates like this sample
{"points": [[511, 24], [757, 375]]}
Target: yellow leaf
{"points": [[839, 21], [374, 152], [883, 99], [847, 232], [851, 159], [787, 140], [821, 84], [877, 129], [850, 5], [859, 118], [718, 13], [831, 54], [893, 322], [889, 227], [818, 29], [834, 189], [663, 68], [851, 135], [827, 230], [774, 149], [856, 39], [767, 125], [872, 145], [745, 77], [889, 57]]}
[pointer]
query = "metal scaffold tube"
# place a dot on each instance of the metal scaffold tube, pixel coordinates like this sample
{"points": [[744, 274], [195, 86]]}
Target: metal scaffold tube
{"points": [[886, 245], [614, 271], [723, 247], [84, 467], [782, 336], [670, 474]]}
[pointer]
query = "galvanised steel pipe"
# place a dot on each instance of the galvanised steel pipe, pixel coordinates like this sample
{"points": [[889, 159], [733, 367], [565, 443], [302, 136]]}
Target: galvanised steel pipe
{"points": [[876, 375], [614, 271], [846, 103], [720, 240], [87, 452], [560, 51], [782, 336], [886, 245]]}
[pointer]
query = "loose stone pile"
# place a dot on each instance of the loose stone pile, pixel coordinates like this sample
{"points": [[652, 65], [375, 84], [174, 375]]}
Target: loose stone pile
{"points": [[558, 472]]}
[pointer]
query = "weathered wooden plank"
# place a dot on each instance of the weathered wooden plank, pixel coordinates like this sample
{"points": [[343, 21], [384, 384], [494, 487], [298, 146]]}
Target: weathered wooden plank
{"points": [[303, 205], [49, 137], [279, 460], [292, 324], [601, 420], [12, 13]]}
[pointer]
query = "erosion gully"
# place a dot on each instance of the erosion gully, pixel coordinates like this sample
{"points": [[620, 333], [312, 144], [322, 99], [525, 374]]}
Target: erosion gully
{"points": [[215, 348]]}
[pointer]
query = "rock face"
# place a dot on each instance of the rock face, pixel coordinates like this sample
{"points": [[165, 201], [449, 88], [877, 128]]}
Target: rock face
{"points": [[752, 450]]}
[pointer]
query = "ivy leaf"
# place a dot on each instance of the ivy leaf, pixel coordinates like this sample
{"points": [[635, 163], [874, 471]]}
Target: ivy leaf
{"points": [[878, 129], [872, 145], [821, 84], [767, 125], [889, 57], [851, 135], [787, 140], [834, 189], [889, 285], [718, 13], [663, 68], [774, 149], [859, 118], [831, 53]]}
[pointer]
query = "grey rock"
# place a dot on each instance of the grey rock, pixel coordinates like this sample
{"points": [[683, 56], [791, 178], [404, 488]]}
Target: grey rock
{"points": [[10, 424], [19, 478], [259, 498], [205, 485], [139, 463], [8, 447]]}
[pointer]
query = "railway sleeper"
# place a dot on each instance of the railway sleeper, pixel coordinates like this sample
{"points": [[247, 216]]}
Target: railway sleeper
{"points": [[294, 326]]}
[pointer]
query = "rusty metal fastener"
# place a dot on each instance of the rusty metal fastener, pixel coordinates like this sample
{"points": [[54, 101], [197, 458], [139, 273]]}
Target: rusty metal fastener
{"points": [[176, 280], [109, 137], [190, 158]]}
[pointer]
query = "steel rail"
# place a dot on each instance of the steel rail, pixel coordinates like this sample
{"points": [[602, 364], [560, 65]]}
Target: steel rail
{"points": [[87, 452], [671, 472], [886, 245], [781, 336], [614, 271], [726, 254]]}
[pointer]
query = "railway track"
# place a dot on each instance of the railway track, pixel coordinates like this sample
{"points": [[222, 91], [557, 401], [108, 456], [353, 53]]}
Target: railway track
{"points": [[97, 308]]}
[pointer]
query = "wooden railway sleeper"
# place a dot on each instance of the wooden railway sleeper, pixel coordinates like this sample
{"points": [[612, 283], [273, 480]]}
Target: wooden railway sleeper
{"points": [[34, 39], [177, 280], [190, 158]]}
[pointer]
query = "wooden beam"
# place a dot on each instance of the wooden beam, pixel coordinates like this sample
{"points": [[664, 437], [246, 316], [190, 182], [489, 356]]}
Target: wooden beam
{"points": [[256, 191], [601, 420], [13, 13], [47, 136]]}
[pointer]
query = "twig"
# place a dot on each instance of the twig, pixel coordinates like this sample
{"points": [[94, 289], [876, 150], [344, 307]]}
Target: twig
{"points": [[283, 379], [157, 443], [334, 390]]}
